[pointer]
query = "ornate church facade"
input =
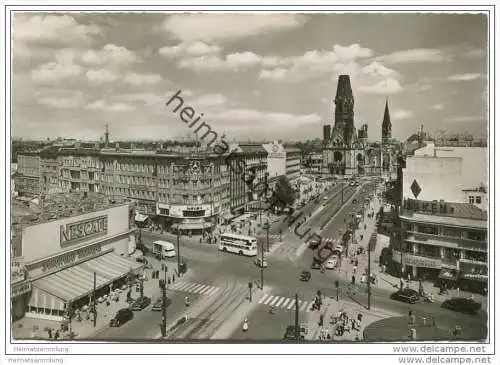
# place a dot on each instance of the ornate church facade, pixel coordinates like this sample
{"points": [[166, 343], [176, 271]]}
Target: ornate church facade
{"points": [[346, 151]]}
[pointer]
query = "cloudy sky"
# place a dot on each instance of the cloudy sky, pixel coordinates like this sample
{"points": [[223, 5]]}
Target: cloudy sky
{"points": [[250, 75]]}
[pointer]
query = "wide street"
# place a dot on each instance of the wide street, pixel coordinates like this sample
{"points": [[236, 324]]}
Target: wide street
{"points": [[218, 284]]}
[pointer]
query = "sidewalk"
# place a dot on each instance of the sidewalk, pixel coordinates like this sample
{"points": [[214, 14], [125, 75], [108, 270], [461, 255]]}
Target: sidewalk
{"points": [[386, 281], [332, 308], [37, 328]]}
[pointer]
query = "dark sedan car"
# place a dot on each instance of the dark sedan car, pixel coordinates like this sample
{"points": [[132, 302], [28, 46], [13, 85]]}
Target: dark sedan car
{"points": [[122, 316], [158, 306], [406, 295], [305, 276], [463, 305], [140, 303]]}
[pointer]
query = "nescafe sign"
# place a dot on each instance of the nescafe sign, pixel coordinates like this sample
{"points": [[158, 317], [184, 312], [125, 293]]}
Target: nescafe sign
{"points": [[78, 231]]}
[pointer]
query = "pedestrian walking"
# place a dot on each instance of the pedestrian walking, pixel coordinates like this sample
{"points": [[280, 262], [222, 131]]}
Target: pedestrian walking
{"points": [[56, 335], [50, 333]]}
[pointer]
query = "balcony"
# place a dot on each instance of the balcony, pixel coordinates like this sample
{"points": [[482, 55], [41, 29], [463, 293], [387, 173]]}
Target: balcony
{"points": [[446, 241], [473, 261]]}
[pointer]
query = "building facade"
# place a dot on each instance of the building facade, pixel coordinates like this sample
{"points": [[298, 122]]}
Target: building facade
{"points": [[293, 165], [445, 243], [276, 159], [81, 170], [27, 178], [82, 234]]}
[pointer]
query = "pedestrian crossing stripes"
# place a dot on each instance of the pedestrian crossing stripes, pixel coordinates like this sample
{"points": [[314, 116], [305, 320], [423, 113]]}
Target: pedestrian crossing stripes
{"points": [[195, 288], [284, 303], [273, 237]]}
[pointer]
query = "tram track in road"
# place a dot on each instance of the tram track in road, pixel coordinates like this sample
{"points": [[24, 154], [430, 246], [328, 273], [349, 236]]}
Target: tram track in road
{"points": [[204, 311]]}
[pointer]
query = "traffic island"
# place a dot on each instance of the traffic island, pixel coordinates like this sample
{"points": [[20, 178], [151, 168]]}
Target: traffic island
{"points": [[394, 329]]}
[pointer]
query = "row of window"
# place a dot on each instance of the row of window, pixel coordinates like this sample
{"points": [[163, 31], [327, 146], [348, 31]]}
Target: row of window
{"points": [[81, 162], [448, 232]]}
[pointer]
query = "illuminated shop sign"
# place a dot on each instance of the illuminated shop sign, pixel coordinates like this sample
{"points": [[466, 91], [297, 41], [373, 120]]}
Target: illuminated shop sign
{"points": [[74, 232], [417, 261], [70, 258], [422, 206]]}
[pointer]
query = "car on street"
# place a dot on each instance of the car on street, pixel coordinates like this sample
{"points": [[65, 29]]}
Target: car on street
{"points": [[331, 263], [406, 295], [325, 198], [305, 276], [158, 306], [339, 249], [261, 262], [313, 244], [122, 316], [463, 305], [140, 303]]}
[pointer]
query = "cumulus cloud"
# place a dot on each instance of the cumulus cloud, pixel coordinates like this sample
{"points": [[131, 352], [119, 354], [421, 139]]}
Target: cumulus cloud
{"points": [[62, 102], [263, 118], [386, 87], [60, 29], [465, 77], [51, 72], [197, 48], [227, 27], [113, 107], [401, 114], [209, 100], [414, 56], [101, 76], [475, 53], [437, 107], [109, 54], [142, 79]]}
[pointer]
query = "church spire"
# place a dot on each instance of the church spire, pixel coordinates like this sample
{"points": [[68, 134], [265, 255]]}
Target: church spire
{"points": [[386, 124]]}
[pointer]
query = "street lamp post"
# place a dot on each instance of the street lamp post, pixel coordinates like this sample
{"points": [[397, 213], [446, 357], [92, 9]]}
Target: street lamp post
{"points": [[262, 266], [267, 234], [178, 251]]}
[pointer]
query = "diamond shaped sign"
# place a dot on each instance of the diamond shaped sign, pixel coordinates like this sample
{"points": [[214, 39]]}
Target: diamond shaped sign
{"points": [[415, 188]]}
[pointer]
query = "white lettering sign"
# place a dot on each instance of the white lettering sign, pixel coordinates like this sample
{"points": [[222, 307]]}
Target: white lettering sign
{"points": [[84, 229]]}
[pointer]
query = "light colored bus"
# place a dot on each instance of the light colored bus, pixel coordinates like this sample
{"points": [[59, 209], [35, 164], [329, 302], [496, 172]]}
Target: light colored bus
{"points": [[242, 245], [163, 249]]}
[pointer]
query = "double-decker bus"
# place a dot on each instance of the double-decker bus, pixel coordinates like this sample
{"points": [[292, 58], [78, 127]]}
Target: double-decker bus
{"points": [[242, 245]]}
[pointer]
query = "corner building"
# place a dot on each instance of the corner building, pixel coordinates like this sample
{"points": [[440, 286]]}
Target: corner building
{"points": [[57, 249]]}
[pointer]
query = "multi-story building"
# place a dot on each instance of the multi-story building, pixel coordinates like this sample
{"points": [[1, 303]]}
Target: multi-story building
{"points": [[276, 159], [247, 168], [81, 169], [27, 178], [292, 168], [444, 242], [58, 249], [442, 235]]}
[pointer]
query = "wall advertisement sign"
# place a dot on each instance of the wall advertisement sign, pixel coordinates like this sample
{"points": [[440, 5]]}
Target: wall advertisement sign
{"points": [[79, 231]]}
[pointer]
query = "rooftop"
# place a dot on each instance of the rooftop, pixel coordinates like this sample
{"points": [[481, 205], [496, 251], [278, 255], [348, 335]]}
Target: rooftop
{"points": [[61, 205]]}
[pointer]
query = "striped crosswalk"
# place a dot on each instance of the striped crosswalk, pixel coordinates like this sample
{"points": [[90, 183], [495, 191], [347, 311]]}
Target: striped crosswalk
{"points": [[195, 288], [284, 303]]}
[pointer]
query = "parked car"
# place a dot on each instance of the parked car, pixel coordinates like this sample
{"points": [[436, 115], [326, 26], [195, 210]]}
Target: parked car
{"points": [[140, 303], [261, 262], [158, 306], [122, 316], [331, 263], [463, 305], [406, 295], [313, 244], [305, 276]]}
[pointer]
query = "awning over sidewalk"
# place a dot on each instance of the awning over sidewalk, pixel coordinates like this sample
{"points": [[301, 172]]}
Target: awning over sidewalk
{"points": [[78, 281], [192, 226]]}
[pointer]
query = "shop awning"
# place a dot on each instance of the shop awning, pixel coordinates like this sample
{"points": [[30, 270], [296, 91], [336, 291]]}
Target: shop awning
{"points": [[78, 281], [192, 225], [42, 299], [476, 277]]}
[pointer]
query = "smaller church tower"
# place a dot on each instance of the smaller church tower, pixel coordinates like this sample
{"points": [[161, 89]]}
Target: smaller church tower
{"points": [[386, 125]]}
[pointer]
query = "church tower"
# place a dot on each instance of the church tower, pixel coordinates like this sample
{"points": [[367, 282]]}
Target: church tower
{"points": [[386, 125], [106, 136], [344, 109]]}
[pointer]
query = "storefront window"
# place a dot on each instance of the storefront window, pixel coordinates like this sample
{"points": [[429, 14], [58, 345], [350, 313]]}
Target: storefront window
{"points": [[427, 229], [476, 235], [451, 232]]}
